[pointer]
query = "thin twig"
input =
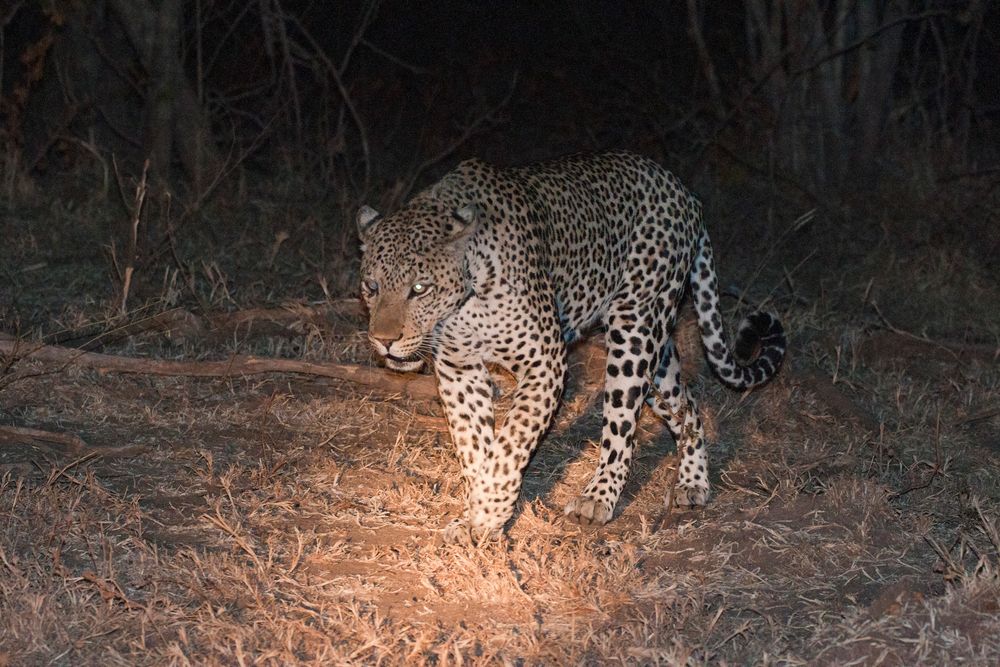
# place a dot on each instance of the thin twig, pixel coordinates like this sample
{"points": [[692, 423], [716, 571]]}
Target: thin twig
{"points": [[219, 522], [130, 257], [396, 60], [956, 350], [935, 471], [797, 224], [336, 73], [457, 142], [862, 41]]}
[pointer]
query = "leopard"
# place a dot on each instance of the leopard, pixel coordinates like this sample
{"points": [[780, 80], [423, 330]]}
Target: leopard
{"points": [[505, 267]]}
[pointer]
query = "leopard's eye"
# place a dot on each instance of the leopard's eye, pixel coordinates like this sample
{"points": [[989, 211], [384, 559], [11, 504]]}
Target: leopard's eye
{"points": [[370, 287], [420, 288]]}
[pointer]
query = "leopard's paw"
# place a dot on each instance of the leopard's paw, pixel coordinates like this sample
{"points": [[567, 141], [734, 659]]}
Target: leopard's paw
{"points": [[685, 495], [460, 533], [587, 511], [457, 532]]}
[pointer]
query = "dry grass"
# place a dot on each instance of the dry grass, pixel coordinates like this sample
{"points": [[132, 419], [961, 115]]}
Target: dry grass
{"points": [[285, 521]]}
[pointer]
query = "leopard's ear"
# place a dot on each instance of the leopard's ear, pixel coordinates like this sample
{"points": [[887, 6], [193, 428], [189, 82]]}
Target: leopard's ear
{"points": [[463, 222], [365, 218]]}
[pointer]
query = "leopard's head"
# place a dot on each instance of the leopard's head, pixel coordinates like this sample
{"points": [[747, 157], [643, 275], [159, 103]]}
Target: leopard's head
{"points": [[412, 275]]}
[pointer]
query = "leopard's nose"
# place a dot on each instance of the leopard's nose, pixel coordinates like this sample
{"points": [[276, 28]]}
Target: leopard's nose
{"points": [[384, 342]]}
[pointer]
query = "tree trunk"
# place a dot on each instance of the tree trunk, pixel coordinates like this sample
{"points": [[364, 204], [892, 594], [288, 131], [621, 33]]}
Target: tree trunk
{"points": [[827, 72], [695, 12], [877, 64], [176, 124], [163, 68]]}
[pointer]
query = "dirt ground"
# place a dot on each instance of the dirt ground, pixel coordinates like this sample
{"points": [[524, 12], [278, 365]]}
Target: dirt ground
{"points": [[288, 519]]}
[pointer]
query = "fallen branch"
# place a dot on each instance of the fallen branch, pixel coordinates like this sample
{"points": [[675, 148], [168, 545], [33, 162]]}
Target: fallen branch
{"points": [[980, 414], [414, 386], [898, 344], [839, 403], [589, 353], [74, 442]]}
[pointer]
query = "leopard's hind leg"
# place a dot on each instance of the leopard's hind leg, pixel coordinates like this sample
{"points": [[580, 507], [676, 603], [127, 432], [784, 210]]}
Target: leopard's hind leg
{"points": [[673, 404], [636, 338]]}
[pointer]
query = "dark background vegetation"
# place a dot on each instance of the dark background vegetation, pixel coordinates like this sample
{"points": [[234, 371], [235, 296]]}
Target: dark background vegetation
{"points": [[272, 120]]}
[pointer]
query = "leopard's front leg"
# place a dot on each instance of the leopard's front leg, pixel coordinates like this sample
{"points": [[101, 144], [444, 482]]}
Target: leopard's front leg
{"points": [[467, 397], [493, 465], [502, 469]]}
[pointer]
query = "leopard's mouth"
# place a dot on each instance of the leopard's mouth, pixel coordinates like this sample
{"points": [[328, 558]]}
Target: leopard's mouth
{"points": [[396, 362], [403, 364]]}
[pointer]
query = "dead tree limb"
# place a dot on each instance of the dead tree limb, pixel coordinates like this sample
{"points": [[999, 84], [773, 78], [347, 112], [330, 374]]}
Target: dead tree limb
{"points": [[836, 400], [414, 386], [978, 414], [899, 344], [74, 442]]}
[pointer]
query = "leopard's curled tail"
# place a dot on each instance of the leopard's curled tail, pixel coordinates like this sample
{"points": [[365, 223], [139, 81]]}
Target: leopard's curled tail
{"points": [[761, 332]]}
